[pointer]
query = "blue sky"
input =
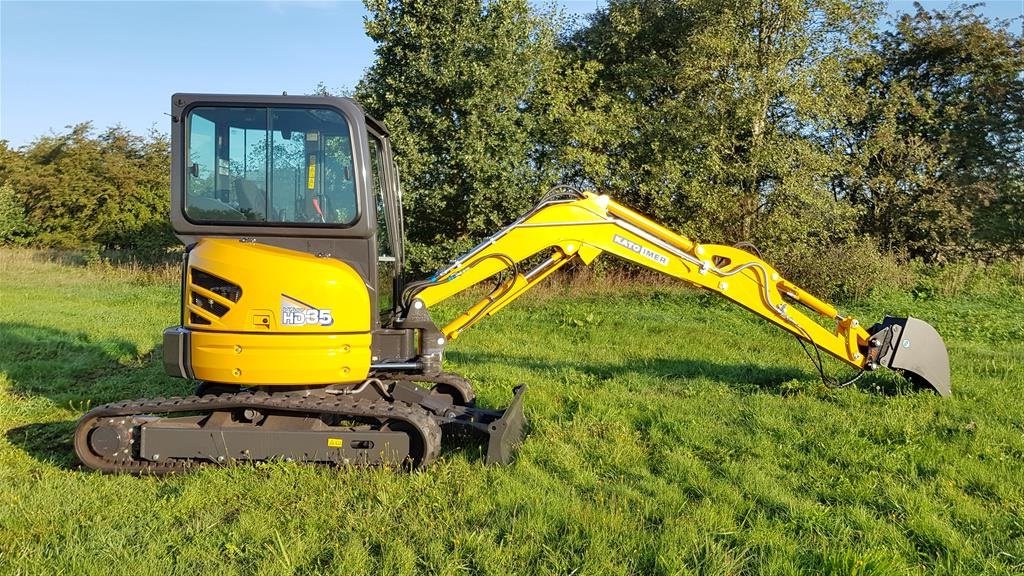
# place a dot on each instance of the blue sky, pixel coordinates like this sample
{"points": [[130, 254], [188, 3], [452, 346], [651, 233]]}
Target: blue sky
{"points": [[118, 63]]}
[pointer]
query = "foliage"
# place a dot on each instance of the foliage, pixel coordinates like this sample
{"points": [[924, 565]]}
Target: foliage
{"points": [[469, 90], [14, 226], [669, 434], [712, 107], [938, 146], [80, 189], [796, 124], [847, 270]]}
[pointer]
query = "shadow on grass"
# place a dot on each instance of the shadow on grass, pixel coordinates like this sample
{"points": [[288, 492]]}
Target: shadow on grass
{"points": [[75, 373], [49, 442], [744, 377]]}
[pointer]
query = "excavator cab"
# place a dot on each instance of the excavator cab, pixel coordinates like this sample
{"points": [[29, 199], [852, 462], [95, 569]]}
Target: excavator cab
{"points": [[294, 202]]}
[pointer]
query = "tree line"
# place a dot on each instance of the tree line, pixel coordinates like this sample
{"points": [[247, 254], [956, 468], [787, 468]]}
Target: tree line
{"points": [[816, 129], [808, 127], [87, 189]]}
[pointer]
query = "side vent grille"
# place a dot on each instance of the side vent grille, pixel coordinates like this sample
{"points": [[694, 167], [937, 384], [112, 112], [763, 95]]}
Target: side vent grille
{"points": [[211, 294], [210, 305], [218, 286]]}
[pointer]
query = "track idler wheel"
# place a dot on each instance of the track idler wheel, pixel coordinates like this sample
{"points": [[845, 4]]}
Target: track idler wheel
{"points": [[103, 442]]}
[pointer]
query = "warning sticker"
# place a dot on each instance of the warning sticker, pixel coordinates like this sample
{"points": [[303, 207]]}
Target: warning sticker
{"points": [[334, 443], [311, 179]]}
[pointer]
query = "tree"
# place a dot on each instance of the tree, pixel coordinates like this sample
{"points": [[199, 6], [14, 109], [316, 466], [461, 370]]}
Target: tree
{"points": [[716, 113], [939, 151], [475, 94]]}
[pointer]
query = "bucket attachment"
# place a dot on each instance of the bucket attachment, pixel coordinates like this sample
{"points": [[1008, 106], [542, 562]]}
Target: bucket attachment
{"points": [[506, 433], [913, 347]]}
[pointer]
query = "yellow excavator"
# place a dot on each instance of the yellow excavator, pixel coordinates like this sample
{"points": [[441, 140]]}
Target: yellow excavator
{"points": [[306, 340]]}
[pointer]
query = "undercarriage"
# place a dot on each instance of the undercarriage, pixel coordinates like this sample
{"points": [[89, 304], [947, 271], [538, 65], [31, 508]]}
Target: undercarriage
{"points": [[387, 420]]}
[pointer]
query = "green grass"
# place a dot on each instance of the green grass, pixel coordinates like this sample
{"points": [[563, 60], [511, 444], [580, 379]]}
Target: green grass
{"points": [[671, 433]]}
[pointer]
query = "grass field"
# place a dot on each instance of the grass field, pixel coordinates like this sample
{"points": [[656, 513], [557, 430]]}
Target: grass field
{"points": [[671, 433]]}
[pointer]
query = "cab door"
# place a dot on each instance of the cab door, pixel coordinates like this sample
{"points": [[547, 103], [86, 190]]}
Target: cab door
{"points": [[388, 213]]}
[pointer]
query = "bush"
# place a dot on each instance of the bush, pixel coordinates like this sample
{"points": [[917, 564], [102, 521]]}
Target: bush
{"points": [[422, 259], [152, 243], [82, 190], [14, 226], [844, 271]]}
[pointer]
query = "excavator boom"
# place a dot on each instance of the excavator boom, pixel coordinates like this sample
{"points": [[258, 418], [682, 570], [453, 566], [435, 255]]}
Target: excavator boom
{"points": [[579, 226]]}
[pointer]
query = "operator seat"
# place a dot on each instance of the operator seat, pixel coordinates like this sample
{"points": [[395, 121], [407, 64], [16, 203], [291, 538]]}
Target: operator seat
{"points": [[252, 201]]}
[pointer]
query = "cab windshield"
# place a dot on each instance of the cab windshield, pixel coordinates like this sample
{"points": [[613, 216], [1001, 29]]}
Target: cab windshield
{"points": [[274, 165]]}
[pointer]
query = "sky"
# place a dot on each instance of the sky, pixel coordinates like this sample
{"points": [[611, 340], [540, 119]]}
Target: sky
{"points": [[62, 63]]}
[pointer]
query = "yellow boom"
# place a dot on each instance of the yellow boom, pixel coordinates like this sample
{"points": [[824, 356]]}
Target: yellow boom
{"points": [[584, 225]]}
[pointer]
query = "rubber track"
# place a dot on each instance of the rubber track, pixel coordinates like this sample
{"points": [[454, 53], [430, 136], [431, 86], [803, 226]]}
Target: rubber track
{"points": [[335, 405]]}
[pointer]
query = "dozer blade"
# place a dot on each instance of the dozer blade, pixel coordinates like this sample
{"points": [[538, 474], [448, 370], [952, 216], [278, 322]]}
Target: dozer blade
{"points": [[915, 348], [505, 433]]}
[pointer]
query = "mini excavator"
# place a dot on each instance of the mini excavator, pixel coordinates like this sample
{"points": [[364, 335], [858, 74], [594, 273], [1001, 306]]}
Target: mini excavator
{"points": [[306, 340]]}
